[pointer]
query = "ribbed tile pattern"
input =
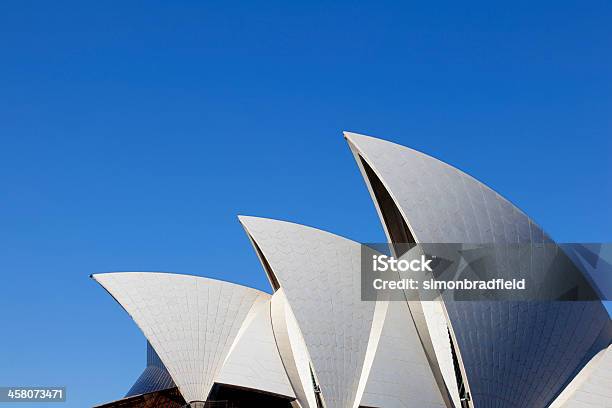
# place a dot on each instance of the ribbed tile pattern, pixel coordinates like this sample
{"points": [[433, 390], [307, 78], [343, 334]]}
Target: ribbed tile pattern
{"points": [[320, 275], [516, 354], [190, 321]]}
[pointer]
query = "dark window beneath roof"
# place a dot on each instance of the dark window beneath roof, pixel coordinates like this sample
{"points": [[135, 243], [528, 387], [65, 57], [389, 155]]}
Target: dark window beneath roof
{"points": [[394, 221], [232, 396], [267, 267], [463, 394]]}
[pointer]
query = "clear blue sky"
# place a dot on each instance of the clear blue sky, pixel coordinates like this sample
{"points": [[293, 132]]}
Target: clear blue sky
{"points": [[132, 135]]}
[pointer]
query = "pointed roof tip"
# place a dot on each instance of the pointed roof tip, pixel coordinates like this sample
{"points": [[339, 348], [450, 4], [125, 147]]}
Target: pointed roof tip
{"points": [[365, 143], [252, 225], [248, 222], [348, 135], [356, 137], [96, 275], [247, 219], [357, 141]]}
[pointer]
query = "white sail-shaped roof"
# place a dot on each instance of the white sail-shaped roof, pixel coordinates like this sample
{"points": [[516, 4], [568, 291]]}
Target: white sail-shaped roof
{"points": [[435, 322], [400, 375], [292, 349], [439, 202], [190, 321], [254, 361], [320, 275], [592, 387], [421, 199]]}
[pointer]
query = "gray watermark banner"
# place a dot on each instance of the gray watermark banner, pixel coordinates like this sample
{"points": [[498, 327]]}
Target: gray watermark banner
{"points": [[469, 272]]}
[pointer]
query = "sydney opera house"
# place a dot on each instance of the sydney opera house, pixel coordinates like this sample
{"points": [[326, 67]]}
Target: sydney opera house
{"points": [[314, 343]]}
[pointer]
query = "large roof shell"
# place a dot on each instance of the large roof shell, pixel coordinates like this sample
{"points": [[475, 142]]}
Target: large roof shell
{"points": [[254, 361], [292, 349], [505, 348], [191, 322], [320, 275], [348, 340]]}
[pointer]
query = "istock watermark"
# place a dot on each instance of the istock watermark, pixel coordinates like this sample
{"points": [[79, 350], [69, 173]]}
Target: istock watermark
{"points": [[491, 272], [384, 263]]}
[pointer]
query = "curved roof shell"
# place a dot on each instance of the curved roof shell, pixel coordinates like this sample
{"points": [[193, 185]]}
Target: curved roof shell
{"points": [[190, 321], [320, 275], [506, 348], [254, 360], [348, 340], [292, 350], [400, 375]]}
